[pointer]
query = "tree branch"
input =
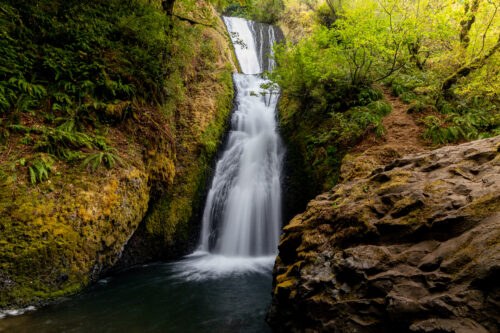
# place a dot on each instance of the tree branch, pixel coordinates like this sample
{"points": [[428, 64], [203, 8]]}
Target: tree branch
{"points": [[192, 21], [467, 22], [465, 70]]}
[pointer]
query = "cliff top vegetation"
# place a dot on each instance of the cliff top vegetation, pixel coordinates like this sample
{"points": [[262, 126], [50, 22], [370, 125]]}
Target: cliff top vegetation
{"points": [[440, 57]]}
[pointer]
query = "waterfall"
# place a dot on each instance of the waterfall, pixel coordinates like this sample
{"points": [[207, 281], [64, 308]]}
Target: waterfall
{"points": [[242, 215]]}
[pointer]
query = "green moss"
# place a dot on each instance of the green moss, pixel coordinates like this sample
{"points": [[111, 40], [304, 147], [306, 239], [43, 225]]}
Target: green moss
{"points": [[414, 218], [436, 187], [168, 220], [484, 206], [52, 240], [285, 286], [212, 135], [397, 179]]}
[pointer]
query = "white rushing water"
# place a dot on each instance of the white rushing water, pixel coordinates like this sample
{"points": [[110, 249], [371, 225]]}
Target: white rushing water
{"points": [[242, 215]]}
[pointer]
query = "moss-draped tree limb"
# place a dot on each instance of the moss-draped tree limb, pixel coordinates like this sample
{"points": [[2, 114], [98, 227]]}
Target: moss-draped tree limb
{"points": [[168, 7], [468, 21], [465, 70]]}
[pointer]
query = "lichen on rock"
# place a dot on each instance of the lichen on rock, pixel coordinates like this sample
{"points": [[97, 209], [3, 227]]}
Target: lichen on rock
{"points": [[414, 246]]}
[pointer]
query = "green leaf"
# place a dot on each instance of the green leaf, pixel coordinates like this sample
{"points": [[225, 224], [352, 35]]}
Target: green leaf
{"points": [[32, 175]]}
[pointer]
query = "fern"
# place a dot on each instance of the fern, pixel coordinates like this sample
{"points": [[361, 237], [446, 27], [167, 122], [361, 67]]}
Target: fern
{"points": [[4, 133], [397, 89], [4, 178], [40, 168], [407, 97], [61, 142], [109, 158], [380, 108], [32, 90]]}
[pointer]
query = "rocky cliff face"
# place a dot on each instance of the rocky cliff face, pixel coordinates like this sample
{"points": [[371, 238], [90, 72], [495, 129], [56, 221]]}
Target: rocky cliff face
{"points": [[415, 247]]}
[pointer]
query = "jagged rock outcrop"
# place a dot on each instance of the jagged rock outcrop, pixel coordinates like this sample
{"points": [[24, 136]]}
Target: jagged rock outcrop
{"points": [[414, 247]]}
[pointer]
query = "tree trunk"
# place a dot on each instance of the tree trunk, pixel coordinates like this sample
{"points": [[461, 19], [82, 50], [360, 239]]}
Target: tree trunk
{"points": [[414, 49], [168, 6], [468, 21]]}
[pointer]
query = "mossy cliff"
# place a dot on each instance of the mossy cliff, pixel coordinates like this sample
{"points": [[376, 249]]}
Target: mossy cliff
{"points": [[413, 246], [57, 238], [155, 149], [167, 230]]}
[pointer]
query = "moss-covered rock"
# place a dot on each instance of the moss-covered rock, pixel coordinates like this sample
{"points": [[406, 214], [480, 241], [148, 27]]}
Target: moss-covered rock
{"points": [[61, 234], [168, 229], [55, 243], [413, 246]]}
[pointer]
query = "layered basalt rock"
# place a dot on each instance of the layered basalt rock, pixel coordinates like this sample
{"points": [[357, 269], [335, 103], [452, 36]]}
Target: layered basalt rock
{"points": [[414, 247]]}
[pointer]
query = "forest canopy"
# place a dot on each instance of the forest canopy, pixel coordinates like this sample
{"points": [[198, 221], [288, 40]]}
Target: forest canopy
{"points": [[441, 56]]}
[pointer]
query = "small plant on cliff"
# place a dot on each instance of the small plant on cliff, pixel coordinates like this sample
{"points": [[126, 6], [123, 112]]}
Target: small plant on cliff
{"points": [[62, 143], [108, 158], [39, 168]]}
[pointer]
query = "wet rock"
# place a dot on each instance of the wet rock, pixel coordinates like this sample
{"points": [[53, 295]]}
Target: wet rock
{"points": [[412, 247]]}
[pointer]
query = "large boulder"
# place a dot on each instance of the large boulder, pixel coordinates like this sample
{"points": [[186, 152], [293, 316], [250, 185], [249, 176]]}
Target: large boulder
{"points": [[414, 247]]}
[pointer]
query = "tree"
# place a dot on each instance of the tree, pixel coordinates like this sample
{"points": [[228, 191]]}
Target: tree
{"points": [[468, 21], [168, 6], [465, 70]]}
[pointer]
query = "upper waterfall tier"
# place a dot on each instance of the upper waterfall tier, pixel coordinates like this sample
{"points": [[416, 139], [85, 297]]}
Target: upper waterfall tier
{"points": [[253, 43]]}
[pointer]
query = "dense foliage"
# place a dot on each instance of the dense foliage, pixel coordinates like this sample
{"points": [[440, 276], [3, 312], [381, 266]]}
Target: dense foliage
{"points": [[267, 11], [70, 69], [439, 56]]}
